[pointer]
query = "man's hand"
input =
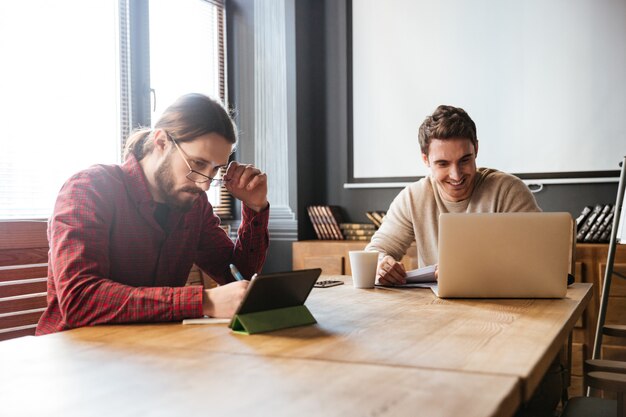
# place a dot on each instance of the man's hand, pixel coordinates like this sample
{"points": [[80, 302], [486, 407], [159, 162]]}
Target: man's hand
{"points": [[390, 272], [222, 301], [248, 184]]}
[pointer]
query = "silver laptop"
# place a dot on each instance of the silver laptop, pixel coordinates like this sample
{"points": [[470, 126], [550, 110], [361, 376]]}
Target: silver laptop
{"points": [[504, 255]]}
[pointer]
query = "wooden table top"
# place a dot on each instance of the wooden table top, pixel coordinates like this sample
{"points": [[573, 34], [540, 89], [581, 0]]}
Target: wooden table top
{"points": [[399, 327], [408, 350], [61, 375]]}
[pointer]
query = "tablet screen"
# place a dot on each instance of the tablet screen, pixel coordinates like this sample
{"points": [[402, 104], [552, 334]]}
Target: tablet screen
{"points": [[279, 290]]}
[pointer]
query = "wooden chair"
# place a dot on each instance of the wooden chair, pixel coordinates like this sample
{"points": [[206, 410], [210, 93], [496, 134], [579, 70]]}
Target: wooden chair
{"points": [[606, 375], [198, 277], [595, 406], [23, 275], [602, 374]]}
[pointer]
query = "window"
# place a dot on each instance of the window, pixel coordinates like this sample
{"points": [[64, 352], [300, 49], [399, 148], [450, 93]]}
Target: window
{"points": [[58, 106], [184, 49], [179, 31], [66, 97]]}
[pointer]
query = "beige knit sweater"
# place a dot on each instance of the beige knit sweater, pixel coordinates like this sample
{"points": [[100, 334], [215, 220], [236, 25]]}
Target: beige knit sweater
{"points": [[414, 214]]}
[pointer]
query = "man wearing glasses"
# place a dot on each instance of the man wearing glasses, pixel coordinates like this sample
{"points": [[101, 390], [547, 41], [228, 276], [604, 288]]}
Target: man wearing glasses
{"points": [[123, 238]]}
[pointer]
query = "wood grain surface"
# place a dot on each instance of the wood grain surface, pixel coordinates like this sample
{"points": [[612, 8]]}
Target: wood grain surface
{"points": [[396, 327], [61, 374]]}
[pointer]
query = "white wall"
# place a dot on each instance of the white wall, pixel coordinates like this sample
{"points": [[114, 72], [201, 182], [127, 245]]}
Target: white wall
{"points": [[544, 80]]}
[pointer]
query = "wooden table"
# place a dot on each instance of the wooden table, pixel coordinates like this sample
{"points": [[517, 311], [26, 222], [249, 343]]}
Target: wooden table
{"points": [[373, 352], [66, 376]]}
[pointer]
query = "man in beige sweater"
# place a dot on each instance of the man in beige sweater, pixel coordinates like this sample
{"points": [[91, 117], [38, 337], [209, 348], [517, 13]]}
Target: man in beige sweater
{"points": [[449, 147]]}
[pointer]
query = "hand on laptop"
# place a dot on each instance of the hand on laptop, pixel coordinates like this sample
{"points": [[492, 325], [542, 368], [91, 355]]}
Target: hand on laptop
{"points": [[390, 272]]}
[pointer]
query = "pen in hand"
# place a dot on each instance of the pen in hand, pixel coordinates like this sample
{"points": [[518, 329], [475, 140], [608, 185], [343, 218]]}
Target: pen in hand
{"points": [[235, 272]]}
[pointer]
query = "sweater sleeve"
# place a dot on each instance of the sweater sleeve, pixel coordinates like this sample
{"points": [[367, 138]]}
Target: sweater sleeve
{"points": [[518, 198], [395, 234]]}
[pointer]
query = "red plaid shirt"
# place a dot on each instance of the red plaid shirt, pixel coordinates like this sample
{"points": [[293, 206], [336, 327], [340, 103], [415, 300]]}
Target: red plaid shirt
{"points": [[111, 262]]}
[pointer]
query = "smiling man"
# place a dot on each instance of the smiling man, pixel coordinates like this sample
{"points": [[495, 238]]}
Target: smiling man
{"points": [[449, 148], [123, 238]]}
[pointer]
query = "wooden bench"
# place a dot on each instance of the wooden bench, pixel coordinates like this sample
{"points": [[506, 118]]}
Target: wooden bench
{"points": [[23, 275]]}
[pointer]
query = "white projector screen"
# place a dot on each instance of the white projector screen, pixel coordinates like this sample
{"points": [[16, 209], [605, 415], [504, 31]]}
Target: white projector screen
{"points": [[544, 81]]}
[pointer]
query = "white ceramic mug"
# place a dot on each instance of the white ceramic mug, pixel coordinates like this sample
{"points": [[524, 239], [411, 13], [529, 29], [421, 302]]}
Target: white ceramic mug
{"points": [[363, 265]]}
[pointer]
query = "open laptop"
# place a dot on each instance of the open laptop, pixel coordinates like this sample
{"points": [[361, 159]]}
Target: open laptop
{"points": [[504, 255]]}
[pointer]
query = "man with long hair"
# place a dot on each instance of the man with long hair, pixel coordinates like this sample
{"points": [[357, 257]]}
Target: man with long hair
{"points": [[123, 238]]}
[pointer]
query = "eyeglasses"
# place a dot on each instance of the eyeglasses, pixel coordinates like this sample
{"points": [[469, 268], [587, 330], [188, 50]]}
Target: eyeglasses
{"points": [[194, 175]]}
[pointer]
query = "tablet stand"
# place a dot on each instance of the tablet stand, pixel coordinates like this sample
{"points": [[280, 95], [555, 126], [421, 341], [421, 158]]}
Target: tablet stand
{"points": [[269, 320]]}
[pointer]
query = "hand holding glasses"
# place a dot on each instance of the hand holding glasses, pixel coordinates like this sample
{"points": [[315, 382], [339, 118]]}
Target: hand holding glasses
{"points": [[248, 184]]}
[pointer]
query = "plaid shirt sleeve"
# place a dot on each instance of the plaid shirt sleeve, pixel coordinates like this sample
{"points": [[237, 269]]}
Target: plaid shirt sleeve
{"points": [[80, 266], [216, 250]]}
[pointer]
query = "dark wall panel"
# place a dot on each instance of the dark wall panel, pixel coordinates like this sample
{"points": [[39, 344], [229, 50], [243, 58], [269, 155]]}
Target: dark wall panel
{"points": [[312, 151]]}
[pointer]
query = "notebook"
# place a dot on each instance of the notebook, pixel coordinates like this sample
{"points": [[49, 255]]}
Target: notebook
{"points": [[504, 255]]}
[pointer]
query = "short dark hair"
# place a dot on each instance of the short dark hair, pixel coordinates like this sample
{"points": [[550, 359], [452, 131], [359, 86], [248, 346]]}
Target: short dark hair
{"points": [[190, 116], [447, 122]]}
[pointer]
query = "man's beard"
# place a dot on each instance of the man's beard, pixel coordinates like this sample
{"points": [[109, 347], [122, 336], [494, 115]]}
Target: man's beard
{"points": [[164, 179]]}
